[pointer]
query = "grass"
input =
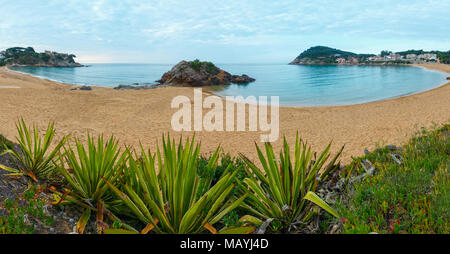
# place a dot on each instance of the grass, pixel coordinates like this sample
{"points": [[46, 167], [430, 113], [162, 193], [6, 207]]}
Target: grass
{"points": [[409, 198], [2, 141]]}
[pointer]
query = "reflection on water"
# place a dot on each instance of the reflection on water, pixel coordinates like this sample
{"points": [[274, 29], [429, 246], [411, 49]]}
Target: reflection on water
{"points": [[295, 85]]}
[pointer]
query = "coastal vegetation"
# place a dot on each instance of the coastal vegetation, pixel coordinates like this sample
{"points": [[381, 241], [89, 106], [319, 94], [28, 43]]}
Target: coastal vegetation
{"points": [[34, 158], [164, 192], [178, 190], [22, 217], [282, 193], [29, 57], [408, 191], [197, 65]]}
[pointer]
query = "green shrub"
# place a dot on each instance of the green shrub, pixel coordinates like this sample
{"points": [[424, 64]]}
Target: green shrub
{"points": [[22, 218], [210, 176], [197, 65], [281, 193], [34, 158], [409, 198], [166, 201], [89, 168]]}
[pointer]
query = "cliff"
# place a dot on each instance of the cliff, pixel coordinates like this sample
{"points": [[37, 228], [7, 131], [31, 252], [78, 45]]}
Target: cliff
{"points": [[18, 56]]}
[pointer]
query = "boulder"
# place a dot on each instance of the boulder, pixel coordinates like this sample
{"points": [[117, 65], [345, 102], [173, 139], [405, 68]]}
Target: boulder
{"points": [[136, 86], [244, 79], [196, 73], [86, 88]]}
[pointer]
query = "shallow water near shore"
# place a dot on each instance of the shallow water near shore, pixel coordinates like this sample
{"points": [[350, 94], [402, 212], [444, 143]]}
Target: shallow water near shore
{"points": [[295, 85]]}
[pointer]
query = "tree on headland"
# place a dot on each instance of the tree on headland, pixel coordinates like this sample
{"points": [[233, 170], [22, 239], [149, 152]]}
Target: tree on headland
{"points": [[28, 56], [385, 53]]}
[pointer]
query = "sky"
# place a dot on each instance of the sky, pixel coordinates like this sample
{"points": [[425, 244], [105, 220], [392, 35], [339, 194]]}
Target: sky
{"points": [[224, 31]]}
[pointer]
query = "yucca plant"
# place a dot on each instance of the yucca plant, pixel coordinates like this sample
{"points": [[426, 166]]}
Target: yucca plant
{"points": [[167, 199], [34, 158], [280, 190], [88, 170]]}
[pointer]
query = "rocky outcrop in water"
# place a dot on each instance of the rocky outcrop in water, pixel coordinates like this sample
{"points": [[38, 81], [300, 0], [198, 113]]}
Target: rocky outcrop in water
{"points": [[197, 73], [137, 86]]}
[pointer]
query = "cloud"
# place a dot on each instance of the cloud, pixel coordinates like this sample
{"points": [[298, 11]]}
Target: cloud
{"points": [[238, 29]]}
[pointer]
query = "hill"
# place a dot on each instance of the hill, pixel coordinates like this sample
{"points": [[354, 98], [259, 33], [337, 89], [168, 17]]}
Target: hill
{"points": [[29, 57], [326, 55], [321, 55]]}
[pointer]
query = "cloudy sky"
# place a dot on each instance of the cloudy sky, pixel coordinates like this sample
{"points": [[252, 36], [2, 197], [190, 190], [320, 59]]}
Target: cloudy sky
{"points": [[223, 31]]}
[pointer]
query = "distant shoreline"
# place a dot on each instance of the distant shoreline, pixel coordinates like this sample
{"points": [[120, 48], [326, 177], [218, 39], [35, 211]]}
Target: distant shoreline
{"points": [[209, 90], [428, 66], [358, 64]]}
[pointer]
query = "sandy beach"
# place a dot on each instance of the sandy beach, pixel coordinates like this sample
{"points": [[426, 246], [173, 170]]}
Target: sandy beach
{"points": [[143, 116]]}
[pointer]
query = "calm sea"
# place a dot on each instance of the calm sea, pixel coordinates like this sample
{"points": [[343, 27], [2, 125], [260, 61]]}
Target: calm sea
{"points": [[295, 85]]}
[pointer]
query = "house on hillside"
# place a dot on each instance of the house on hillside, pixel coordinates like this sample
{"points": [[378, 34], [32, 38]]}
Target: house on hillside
{"points": [[431, 57], [376, 58], [427, 57], [411, 56], [393, 57], [340, 60], [354, 60]]}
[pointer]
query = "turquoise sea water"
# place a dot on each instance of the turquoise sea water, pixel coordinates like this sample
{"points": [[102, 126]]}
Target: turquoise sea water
{"points": [[295, 85]]}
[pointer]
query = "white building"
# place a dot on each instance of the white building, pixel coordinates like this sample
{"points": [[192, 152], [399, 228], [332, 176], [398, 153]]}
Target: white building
{"points": [[394, 57], [427, 57], [430, 57], [376, 58], [411, 56]]}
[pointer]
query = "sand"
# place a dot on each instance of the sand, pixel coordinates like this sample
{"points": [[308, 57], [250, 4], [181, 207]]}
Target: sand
{"points": [[144, 116]]}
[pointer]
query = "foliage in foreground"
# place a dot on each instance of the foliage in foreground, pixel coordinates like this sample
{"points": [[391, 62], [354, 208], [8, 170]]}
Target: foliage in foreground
{"points": [[88, 170], [34, 158], [21, 217], [281, 193], [210, 176], [171, 200], [409, 198]]}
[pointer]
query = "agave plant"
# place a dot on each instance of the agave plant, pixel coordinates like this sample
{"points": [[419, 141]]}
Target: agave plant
{"points": [[171, 200], [280, 190], [88, 170], [34, 158]]}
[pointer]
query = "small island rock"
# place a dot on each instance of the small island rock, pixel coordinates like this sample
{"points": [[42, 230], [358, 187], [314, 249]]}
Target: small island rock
{"points": [[197, 73]]}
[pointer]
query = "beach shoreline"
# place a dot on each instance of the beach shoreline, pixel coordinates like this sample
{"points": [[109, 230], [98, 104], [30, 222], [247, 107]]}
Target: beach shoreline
{"points": [[144, 115], [209, 90]]}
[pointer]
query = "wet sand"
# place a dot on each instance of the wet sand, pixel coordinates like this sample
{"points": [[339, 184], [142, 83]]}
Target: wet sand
{"points": [[144, 116]]}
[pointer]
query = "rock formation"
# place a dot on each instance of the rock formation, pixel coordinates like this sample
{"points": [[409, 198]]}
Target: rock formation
{"points": [[196, 73]]}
